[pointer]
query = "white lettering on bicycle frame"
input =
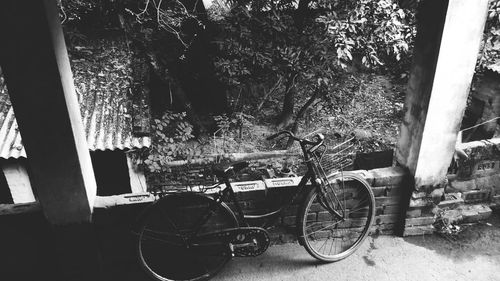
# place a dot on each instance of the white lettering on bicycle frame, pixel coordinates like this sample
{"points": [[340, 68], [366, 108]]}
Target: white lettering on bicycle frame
{"points": [[288, 182], [248, 186]]}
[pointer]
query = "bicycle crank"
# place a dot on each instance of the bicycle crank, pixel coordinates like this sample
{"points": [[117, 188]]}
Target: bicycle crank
{"points": [[242, 241]]}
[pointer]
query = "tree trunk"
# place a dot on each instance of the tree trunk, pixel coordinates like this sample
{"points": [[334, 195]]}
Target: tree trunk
{"points": [[301, 14], [197, 71], [286, 117]]}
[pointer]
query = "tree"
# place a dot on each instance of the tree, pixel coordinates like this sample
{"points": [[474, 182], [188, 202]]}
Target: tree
{"points": [[209, 62], [307, 45]]}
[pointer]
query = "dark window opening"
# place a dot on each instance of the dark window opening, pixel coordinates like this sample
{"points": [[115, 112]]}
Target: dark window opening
{"points": [[111, 172], [5, 195]]}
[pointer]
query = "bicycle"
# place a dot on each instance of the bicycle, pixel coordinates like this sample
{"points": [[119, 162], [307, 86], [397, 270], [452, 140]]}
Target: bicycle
{"points": [[191, 236]]}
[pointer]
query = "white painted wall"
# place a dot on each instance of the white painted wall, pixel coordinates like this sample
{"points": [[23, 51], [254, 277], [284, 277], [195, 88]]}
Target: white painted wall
{"points": [[18, 181]]}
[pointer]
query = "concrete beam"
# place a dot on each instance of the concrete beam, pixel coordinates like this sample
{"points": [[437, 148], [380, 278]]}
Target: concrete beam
{"points": [[18, 181], [445, 54], [35, 63]]}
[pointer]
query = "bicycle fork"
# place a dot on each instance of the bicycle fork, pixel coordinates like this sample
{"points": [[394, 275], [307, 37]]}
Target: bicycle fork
{"points": [[326, 202]]}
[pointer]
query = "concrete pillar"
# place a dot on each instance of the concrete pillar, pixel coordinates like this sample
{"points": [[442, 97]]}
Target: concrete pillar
{"points": [[36, 67], [445, 54], [37, 72]]}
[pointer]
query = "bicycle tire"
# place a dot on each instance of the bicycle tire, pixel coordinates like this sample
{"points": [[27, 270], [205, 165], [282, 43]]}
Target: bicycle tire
{"points": [[163, 250], [324, 236]]}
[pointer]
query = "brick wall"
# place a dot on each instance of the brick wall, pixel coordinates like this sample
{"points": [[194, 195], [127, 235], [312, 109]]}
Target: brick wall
{"points": [[473, 186], [477, 178], [257, 197], [472, 181], [471, 190]]}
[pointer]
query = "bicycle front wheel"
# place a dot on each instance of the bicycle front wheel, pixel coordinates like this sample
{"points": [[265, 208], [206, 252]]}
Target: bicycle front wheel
{"points": [[165, 231], [336, 218]]}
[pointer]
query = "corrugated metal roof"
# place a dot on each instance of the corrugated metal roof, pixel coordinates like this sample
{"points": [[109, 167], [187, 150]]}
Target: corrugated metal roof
{"points": [[10, 140], [105, 130], [101, 80], [108, 122]]}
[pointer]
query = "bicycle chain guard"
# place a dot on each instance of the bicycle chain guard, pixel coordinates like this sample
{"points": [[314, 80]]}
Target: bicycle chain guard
{"points": [[242, 241]]}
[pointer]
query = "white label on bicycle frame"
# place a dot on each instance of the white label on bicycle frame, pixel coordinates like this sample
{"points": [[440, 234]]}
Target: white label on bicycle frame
{"points": [[281, 182], [248, 186]]}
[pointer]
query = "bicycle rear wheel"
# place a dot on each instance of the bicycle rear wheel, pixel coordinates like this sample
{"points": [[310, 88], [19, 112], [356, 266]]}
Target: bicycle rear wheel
{"points": [[335, 222], [163, 246]]}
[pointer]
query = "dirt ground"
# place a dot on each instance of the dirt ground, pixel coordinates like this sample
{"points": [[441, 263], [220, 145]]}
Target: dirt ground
{"points": [[473, 255]]}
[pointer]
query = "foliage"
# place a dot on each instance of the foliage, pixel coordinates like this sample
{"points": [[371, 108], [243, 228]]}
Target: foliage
{"points": [[377, 32], [169, 16], [4, 97], [74, 10], [491, 48], [309, 49], [266, 43], [170, 136], [256, 45], [373, 110], [237, 121], [230, 131]]}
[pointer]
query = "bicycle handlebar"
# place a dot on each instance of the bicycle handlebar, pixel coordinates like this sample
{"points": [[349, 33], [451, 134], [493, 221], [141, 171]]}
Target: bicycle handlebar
{"points": [[315, 144]]}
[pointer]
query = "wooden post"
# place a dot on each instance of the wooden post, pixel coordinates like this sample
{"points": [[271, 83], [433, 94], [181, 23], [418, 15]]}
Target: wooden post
{"points": [[35, 63]]}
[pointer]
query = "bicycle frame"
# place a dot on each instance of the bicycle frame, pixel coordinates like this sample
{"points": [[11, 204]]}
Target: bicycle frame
{"points": [[228, 192], [227, 195]]}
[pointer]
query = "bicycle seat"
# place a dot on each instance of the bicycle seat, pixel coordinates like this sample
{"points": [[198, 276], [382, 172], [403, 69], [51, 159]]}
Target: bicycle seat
{"points": [[225, 170]]}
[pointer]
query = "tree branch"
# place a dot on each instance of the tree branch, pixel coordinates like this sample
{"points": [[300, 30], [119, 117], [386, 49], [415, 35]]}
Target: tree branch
{"points": [[300, 114], [272, 90]]}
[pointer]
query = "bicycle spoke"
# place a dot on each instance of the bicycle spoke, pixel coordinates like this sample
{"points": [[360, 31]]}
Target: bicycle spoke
{"points": [[327, 238], [165, 216], [324, 243], [331, 246], [321, 223], [330, 225], [164, 252]]}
